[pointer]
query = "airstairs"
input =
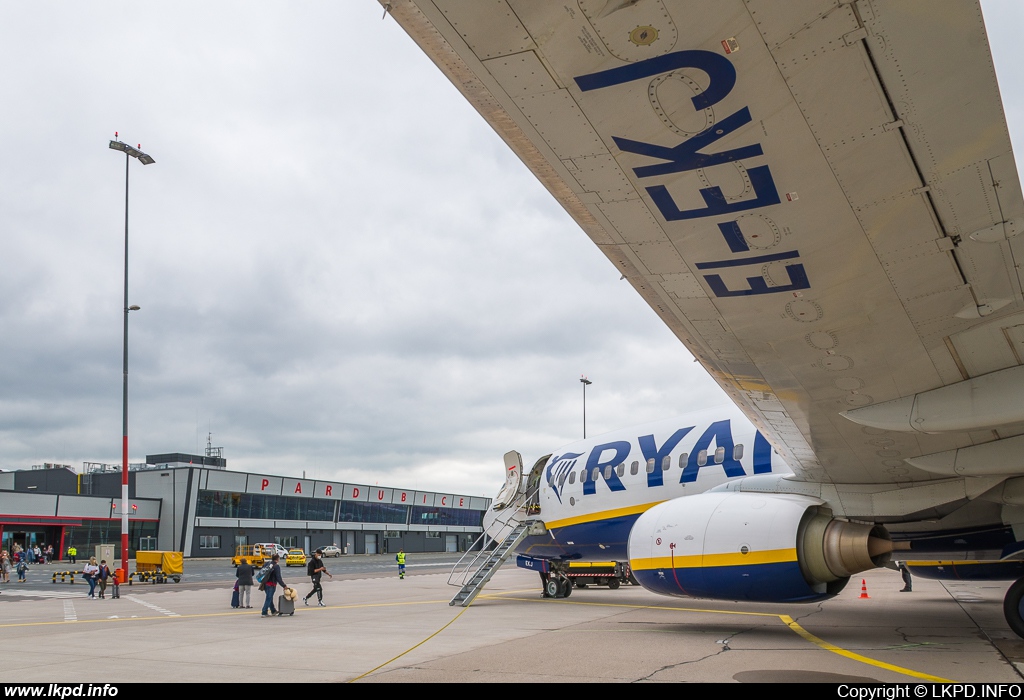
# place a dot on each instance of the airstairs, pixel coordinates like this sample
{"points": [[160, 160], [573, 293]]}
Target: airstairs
{"points": [[488, 562], [514, 516]]}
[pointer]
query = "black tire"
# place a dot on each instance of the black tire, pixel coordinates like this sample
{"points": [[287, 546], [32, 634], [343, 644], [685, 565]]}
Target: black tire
{"points": [[553, 588], [613, 584], [1013, 607], [177, 579], [580, 584], [566, 588]]}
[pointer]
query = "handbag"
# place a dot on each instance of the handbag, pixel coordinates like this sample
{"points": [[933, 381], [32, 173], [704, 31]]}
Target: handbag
{"points": [[263, 586]]}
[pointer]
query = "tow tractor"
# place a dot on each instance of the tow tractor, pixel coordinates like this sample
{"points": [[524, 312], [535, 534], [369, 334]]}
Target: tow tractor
{"points": [[559, 577], [605, 573]]}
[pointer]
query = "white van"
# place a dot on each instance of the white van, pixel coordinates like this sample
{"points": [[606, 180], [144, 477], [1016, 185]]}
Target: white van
{"points": [[276, 549]]}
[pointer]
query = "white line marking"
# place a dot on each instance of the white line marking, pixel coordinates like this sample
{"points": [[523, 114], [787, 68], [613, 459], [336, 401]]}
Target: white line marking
{"points": [[69, 612], [136, 599]]}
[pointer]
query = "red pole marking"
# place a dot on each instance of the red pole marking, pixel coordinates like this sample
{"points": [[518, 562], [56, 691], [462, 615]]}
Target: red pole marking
{"points": [[672, 553]]}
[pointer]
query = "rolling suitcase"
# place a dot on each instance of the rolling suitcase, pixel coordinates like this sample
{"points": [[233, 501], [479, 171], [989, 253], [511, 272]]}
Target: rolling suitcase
{"points": [[234, 599], [285, 606]]}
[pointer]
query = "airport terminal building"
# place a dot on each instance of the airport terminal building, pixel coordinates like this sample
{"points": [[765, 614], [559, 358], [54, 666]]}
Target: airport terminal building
{"points": [[201, 509]]}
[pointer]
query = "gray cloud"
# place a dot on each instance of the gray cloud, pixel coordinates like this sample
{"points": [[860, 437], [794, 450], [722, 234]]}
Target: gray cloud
{"points": [[342, 269]]}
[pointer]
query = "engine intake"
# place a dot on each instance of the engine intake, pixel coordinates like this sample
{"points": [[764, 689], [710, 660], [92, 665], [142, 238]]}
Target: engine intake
{"points": [[744, 546]]}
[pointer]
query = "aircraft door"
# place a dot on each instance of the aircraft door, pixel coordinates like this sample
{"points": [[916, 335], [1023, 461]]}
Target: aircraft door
{"points": [[533, 485], [513, 481]]}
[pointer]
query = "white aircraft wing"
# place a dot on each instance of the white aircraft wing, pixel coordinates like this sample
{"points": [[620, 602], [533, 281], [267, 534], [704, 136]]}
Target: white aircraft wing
{"points": [[818, 197]]}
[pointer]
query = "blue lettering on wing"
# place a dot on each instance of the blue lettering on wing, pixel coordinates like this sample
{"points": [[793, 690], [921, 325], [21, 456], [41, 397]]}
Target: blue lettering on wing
{"points": [[651, 451], [757, 285], [734, 236], [718, 68], [595, 463], [716, 203], [721, 432], [558, 467], [685, 156]]}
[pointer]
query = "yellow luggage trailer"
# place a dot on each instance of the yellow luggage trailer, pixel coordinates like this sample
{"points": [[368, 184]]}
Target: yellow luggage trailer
{"points": [[158, 567], [253, 554]]}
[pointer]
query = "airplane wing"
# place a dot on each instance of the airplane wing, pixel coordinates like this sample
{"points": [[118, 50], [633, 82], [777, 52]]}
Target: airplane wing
{"points": [[819, 198]]}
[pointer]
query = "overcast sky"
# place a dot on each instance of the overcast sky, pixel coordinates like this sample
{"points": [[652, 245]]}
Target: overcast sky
{"points": [[342, 270]]}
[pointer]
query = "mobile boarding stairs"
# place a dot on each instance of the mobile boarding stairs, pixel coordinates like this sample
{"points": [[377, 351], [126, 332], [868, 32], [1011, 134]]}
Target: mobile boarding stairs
{"points": [[514, 521]]}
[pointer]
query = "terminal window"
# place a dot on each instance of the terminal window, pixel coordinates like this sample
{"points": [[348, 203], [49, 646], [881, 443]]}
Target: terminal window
{"points": [[209, 542]]}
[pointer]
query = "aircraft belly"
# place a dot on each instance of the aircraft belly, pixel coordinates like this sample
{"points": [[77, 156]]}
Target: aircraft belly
{"points": [[600, 540]]}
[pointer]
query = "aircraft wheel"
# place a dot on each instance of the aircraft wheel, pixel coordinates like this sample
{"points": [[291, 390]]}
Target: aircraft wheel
{"points": [[613, 584], [553, 588], [1013, 607], [566, 588]]}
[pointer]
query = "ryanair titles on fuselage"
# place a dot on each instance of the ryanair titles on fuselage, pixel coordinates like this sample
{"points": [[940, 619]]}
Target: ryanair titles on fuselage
{"points": [[657, 456]]}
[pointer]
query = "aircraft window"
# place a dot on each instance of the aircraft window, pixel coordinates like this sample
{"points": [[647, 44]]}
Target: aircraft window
{"points": [[597, 473], [561, 480], [583, 475], [608, 472], [572, 477], [683, 459], [719, 455], [702, 458], [634, 468], [620, 470], [737, 452], [666, 462], [650, 466]]}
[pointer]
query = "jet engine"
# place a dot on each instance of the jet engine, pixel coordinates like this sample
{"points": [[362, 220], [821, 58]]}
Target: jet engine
{"points": [[745, 546]]}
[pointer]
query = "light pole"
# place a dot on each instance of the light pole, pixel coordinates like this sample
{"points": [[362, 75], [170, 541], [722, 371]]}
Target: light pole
{"points": [[145, 159], [586, 383]]}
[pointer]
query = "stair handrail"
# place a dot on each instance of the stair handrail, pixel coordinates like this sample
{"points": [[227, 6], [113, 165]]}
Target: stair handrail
{"points": [[470, 562]]}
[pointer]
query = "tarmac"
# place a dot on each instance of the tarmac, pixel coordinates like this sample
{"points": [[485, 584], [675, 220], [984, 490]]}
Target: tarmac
{"points": [[379, 629]]}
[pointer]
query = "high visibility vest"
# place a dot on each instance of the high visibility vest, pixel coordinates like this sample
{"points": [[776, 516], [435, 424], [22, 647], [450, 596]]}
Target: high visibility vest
{"points": [[400, 557]]}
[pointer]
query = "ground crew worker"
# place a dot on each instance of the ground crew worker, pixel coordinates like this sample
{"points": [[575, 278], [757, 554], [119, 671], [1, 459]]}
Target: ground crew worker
{"points": [[72, 553], [400, 558]]}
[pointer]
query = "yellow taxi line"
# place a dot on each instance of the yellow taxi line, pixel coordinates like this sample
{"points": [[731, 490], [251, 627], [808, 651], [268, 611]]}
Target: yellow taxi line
{"points": [[786, 619]]}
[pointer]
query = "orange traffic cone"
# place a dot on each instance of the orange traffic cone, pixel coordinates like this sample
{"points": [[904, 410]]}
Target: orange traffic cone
{"points": [[864, 589]]}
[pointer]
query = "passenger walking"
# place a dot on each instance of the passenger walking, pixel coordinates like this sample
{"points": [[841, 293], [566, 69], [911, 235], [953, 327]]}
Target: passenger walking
{"points": [[270, 584], [244, 574], [400, 558], [22, 569], [5, 567], [314, 569], [91, 572], [102, 575]]}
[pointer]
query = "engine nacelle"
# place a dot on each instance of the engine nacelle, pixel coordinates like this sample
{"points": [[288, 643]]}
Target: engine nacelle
{"points": [[746, 546]]}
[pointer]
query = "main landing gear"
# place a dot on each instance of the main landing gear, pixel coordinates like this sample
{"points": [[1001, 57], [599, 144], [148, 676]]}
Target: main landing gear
{"points": [[555, 584], [1013, 607], [557, 587]]}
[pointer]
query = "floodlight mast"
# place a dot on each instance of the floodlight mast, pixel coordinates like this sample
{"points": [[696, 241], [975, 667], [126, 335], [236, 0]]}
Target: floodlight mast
{"points": [[145, 159], [586, 382]]}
